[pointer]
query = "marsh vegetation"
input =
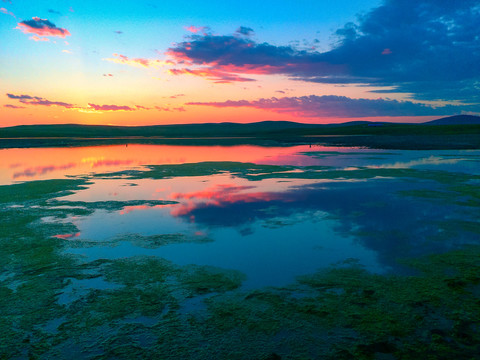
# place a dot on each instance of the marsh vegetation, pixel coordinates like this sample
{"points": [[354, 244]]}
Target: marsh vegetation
{"points": [[315, 253]]}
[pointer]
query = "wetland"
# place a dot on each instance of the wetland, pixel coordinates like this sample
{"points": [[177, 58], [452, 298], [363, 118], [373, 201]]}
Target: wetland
{"points": [[239, 252]]}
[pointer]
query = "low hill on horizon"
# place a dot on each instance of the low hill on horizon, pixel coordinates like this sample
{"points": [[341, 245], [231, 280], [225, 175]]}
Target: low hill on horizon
{"points": [[455, 120], [450, 125]]}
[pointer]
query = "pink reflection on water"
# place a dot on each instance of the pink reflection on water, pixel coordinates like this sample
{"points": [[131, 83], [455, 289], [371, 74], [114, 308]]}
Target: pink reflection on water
{"points": [[41, 170], [51, 163], [100, 163], [66, 236], [128, 209], [219, 195]]}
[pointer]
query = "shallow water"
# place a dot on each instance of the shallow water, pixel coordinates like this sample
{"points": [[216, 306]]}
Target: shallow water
{"points": [[289, 212]]}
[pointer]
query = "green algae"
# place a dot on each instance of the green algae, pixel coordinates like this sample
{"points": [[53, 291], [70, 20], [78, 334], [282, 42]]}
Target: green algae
{"points": [[254, 172], [196, 169], [324, 154], [143, 241], [40, 189], [458, 192], [380, 313], [341, 312], [111, 205]]}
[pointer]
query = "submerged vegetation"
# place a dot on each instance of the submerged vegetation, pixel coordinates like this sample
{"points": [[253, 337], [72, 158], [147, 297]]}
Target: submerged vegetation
{"points": [[55, 304]]}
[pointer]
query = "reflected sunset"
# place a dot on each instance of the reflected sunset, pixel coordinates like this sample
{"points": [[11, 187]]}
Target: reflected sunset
{"points": [[48, 163]]}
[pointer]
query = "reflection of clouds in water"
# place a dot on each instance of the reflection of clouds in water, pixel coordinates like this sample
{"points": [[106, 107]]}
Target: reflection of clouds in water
{"points": [[41, 170], [391, 225], [219, 195], [431, 160], [128, 209], [91, 162], [95, 162]]}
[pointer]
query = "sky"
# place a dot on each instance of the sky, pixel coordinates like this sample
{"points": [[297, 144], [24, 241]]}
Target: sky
{"points": [[154, 62]]}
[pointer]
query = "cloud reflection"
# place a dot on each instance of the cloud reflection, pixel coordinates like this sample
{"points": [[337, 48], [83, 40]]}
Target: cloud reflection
{"points": [[42, 170], [377, 217], [220, 196]]}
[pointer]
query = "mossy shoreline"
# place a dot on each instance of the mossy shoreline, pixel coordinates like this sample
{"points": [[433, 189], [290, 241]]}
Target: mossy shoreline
{"points": [[57, 305]]}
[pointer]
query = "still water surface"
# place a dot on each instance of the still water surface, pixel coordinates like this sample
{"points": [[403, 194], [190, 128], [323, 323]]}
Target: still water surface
{"points": [[273, 228], [240, 252]]}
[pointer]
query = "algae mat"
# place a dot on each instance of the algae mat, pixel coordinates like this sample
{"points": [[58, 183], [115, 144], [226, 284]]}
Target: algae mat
{"points": [[98, 266]]}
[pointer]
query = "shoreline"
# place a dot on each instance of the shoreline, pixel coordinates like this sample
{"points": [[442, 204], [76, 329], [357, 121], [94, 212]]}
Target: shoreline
{"points": [[392, 142]]}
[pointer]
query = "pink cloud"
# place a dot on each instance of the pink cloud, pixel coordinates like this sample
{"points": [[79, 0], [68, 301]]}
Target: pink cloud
{"points": [[198, 29], [175, 96], [6, 12], [166, 108], [111, 107], [217, 76], [137, 62], [37, 38], [42, 27]]}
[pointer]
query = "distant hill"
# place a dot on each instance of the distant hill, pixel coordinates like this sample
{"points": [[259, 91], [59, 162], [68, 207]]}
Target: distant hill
{"points": [[456, 120], [460, 124], [181, 130]]}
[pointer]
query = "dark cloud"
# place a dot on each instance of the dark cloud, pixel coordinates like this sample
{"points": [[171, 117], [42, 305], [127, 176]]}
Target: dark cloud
{"points": [[13, 106], [427, 48], [23, 97], [51, 11], [45, 102], [338, 106], [242, 30], [423, 47], [36, 100], [229, 52], [42, 27]]}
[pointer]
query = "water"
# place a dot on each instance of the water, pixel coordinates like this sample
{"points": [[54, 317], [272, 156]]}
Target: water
{"points": [[272, 229], [320, 208]]}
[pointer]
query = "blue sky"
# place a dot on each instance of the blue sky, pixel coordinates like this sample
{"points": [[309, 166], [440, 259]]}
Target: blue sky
{"points": [[126, 62]]}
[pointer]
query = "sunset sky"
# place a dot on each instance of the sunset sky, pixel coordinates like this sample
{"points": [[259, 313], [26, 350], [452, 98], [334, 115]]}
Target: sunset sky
{"points": [[155, 62]]}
